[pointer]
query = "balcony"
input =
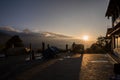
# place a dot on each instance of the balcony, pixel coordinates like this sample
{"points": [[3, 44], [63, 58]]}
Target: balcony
{"points": [[117, 21]]}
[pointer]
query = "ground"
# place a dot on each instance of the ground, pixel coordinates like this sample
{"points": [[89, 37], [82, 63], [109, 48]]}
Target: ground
{"points": [[75, 67]]}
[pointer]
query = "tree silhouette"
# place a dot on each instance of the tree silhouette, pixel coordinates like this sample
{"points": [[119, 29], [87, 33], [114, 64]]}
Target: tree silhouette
{"points": [[104, 43], [101, 41], [14, 41]]}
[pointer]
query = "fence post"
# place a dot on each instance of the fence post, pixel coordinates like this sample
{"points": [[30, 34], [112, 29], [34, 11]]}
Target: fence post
{"points": [[48, 46], [43, 46], [66, 47], [30, 46]]}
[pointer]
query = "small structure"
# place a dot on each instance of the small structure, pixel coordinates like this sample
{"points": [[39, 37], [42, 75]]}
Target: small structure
{"points": [[113, 33], [78, 48]]}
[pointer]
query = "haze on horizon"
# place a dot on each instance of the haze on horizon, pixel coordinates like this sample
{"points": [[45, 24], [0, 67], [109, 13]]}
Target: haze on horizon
{"points": [[70, 17]]}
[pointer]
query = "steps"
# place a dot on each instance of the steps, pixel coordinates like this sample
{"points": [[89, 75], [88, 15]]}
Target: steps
{"points": [[115, 57]]}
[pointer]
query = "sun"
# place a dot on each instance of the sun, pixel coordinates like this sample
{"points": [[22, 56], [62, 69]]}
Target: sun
{"points": [[85, 37]]}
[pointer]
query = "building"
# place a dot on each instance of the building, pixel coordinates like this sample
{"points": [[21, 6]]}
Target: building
{"points": [[113, 33]]}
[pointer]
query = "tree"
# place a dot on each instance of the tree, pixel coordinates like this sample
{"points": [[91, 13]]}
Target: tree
{"points": [[104, 43], [101, 41], [14, 41]]}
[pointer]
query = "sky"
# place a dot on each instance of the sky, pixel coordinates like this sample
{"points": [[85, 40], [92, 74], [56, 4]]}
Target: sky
{"points": [[69, 17]]}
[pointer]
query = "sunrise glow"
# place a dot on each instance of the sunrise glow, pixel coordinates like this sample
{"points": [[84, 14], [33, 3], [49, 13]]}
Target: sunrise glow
{"points": [[85, 37]]}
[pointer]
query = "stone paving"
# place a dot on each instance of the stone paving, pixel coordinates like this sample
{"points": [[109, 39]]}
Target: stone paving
{"points": [[73, 67], [77, 67], [96, 67], [66, 68]]}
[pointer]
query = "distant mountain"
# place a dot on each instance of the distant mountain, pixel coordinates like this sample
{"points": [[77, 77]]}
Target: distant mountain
{"points": [[2, 33], [3, 37]]}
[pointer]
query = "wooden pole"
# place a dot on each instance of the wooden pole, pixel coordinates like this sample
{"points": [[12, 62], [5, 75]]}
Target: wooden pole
{"points": [[43, 46], [66, 47]]}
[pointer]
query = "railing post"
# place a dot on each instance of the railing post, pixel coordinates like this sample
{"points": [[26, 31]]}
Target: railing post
{"points": [[30, 46], [66, 47], [43, 46], [48, 46]]}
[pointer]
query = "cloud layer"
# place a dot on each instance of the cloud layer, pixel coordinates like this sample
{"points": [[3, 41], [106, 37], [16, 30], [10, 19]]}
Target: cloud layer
{"points": [[9, 28], [27, 31]]}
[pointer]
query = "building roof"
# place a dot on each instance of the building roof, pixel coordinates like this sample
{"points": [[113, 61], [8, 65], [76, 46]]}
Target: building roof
{"points": [[113, 4]]}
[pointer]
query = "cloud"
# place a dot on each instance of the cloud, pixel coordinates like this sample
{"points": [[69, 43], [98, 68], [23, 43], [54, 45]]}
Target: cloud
{"points": [[9, 28], [42, 33], [36, 30], [54, 35], [27, 31], [48, 34]]}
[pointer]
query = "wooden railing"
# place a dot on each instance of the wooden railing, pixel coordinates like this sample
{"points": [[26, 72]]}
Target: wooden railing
{"points": [[117, 21]]}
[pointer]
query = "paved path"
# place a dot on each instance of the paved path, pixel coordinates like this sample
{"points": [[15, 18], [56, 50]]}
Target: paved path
{"points": [[60, 69], [96, 67], [77, 67]]}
